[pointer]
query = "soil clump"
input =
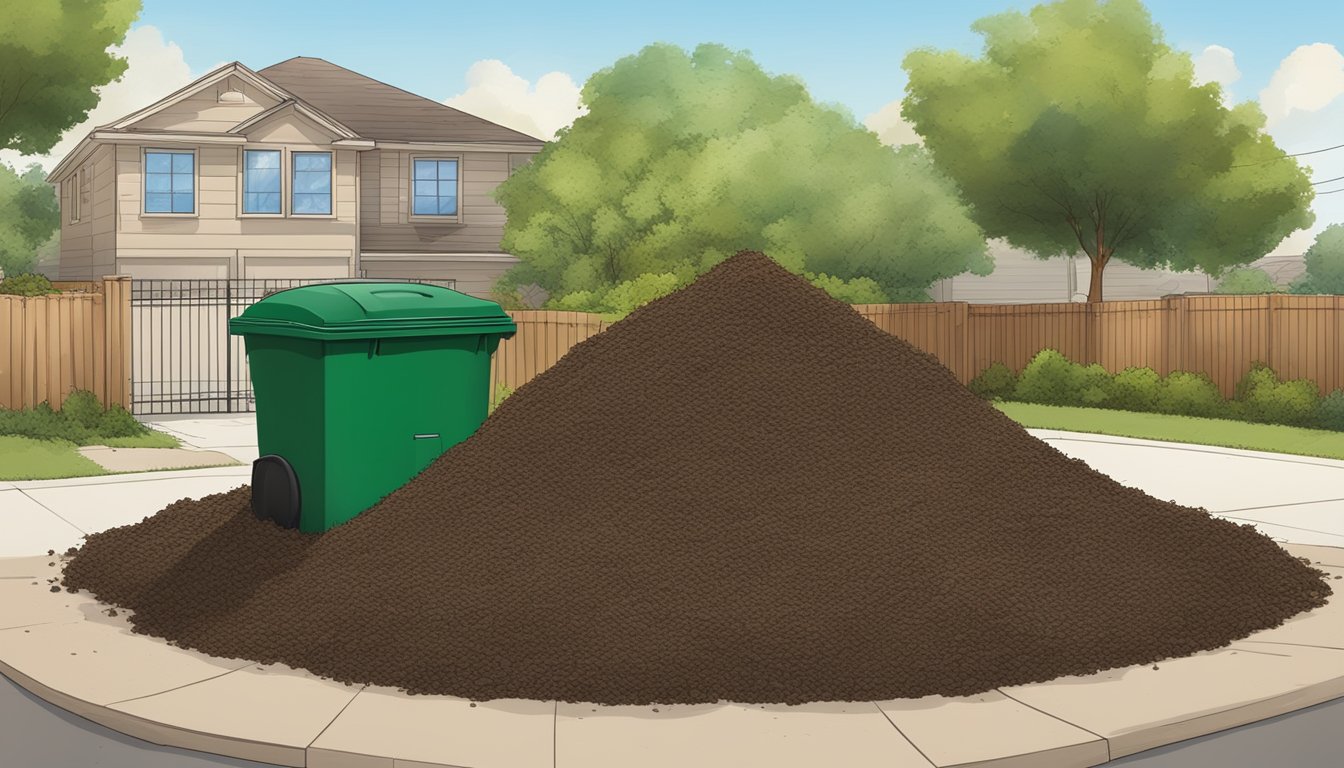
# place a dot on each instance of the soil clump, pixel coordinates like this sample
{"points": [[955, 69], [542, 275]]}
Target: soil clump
{"points": [[744, 491]]}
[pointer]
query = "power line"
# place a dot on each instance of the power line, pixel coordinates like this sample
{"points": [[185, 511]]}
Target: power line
{"points": [[1296, 154], [1317, 151], [1327, 181], [1331, 192]]}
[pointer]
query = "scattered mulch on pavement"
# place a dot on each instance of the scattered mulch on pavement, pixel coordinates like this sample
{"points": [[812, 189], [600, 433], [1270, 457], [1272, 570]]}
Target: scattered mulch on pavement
{"points": [[744, 491]]}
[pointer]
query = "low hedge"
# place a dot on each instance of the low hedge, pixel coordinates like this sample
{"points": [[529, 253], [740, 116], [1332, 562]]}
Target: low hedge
{"points": [[81, 420], [27, 284], [1260, 396]]}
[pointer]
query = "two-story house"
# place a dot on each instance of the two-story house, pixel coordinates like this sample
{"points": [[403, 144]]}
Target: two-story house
{"points": [[303, 169]]}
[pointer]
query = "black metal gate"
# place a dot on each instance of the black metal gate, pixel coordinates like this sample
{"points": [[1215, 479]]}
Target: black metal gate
{"points": [[183, 359]]}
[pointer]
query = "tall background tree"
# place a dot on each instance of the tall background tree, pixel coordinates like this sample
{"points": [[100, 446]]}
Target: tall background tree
{"points": [[1325, 264], [1081, 130], [29, 216], [53, 54], [684, 159]]}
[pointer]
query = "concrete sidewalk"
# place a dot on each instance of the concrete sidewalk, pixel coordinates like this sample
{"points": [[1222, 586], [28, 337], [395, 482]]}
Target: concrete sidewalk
{"points": [[41, 515], [1295, 499]]}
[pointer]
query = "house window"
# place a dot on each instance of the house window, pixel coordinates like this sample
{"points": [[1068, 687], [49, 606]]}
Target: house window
{"points": [[261, 181], [170, 182], [435, 187], [311, 184], [72, 194], [516, 162]]}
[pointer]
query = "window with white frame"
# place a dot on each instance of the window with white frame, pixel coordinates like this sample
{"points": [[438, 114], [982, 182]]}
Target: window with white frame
{"points": [[434, 186], [310, 184], [261, 181], [170, 181]]}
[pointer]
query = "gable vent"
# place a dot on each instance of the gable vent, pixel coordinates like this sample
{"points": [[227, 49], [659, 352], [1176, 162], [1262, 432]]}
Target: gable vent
{"points": [[232, 97]]}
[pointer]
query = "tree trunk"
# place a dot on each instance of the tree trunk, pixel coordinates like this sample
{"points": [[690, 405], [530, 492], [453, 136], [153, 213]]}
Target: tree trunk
{"points": [[1099, 261]]}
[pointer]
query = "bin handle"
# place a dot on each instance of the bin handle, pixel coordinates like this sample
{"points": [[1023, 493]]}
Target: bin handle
{"points": [[375, 347]]}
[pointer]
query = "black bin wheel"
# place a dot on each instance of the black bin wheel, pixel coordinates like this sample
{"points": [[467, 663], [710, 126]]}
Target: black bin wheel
{"points": [[275, 491]]}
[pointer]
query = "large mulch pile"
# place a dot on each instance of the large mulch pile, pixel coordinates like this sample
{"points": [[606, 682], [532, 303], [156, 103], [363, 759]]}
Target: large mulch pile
{"points": [[744, 491]]}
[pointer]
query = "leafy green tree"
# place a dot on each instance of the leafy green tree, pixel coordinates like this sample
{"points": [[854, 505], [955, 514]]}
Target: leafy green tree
{"points": [[683, 160], [1325, 263], [52, 56], [1081, 129], [1244, 280], [29, 214]]}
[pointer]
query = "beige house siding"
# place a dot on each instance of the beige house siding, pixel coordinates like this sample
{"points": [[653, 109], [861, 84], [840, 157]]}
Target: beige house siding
{"points": [[217, 242], [103, 200], [77, 237], [307, 264], [474, 274], [1020, 278], [204, 112], [387, 226], [328, 109]]}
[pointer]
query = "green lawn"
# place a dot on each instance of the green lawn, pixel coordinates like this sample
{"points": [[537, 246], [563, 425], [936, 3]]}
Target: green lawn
{"points": [[24, 458], [1179, 429]]}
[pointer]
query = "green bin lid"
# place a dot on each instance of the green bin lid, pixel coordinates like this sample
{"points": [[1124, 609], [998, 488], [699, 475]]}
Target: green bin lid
{"points": [[353, 310]]}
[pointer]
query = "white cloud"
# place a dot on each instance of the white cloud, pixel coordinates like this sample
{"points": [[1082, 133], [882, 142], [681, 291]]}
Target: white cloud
{"points": [[155, 69], [891, 126], [1307, 80], [1216, 64], [1305, 105], [1304, 132], [495, 93]]}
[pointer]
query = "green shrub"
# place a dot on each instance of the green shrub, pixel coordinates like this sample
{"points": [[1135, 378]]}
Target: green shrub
{"points": [[1048, 379], [1259, 375], [858, 290], [1135, 389], [1246, 280], [1091, 386], [1262, 397], [995, 382], [1325, 262], [1291, 402], [501, 391], [81, 420], [27, 284], [118, 422], [1329, 412], [579, 301], [1190, 394], [41, 423], [83, 408], [617, 301]]}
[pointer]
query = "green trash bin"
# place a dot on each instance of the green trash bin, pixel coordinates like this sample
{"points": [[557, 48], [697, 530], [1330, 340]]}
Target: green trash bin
{"points": [[359, 387]]}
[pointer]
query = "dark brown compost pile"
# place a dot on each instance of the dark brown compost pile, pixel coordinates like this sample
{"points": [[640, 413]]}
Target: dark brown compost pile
{"points": [[744, 491]]}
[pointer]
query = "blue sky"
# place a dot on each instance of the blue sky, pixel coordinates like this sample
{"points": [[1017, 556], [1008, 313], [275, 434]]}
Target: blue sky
{"points": [[847, 52], [522, 63]]}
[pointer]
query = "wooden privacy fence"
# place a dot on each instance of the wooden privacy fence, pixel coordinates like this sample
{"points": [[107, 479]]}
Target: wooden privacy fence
{"points": [[53, 345], [1298, 336], [543, 338]]}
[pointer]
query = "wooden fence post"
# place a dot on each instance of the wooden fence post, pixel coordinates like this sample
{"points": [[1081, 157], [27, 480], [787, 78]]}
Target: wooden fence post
{"points": [[117, 340], [1176, 333], [961, 335], [1271, 309]]}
